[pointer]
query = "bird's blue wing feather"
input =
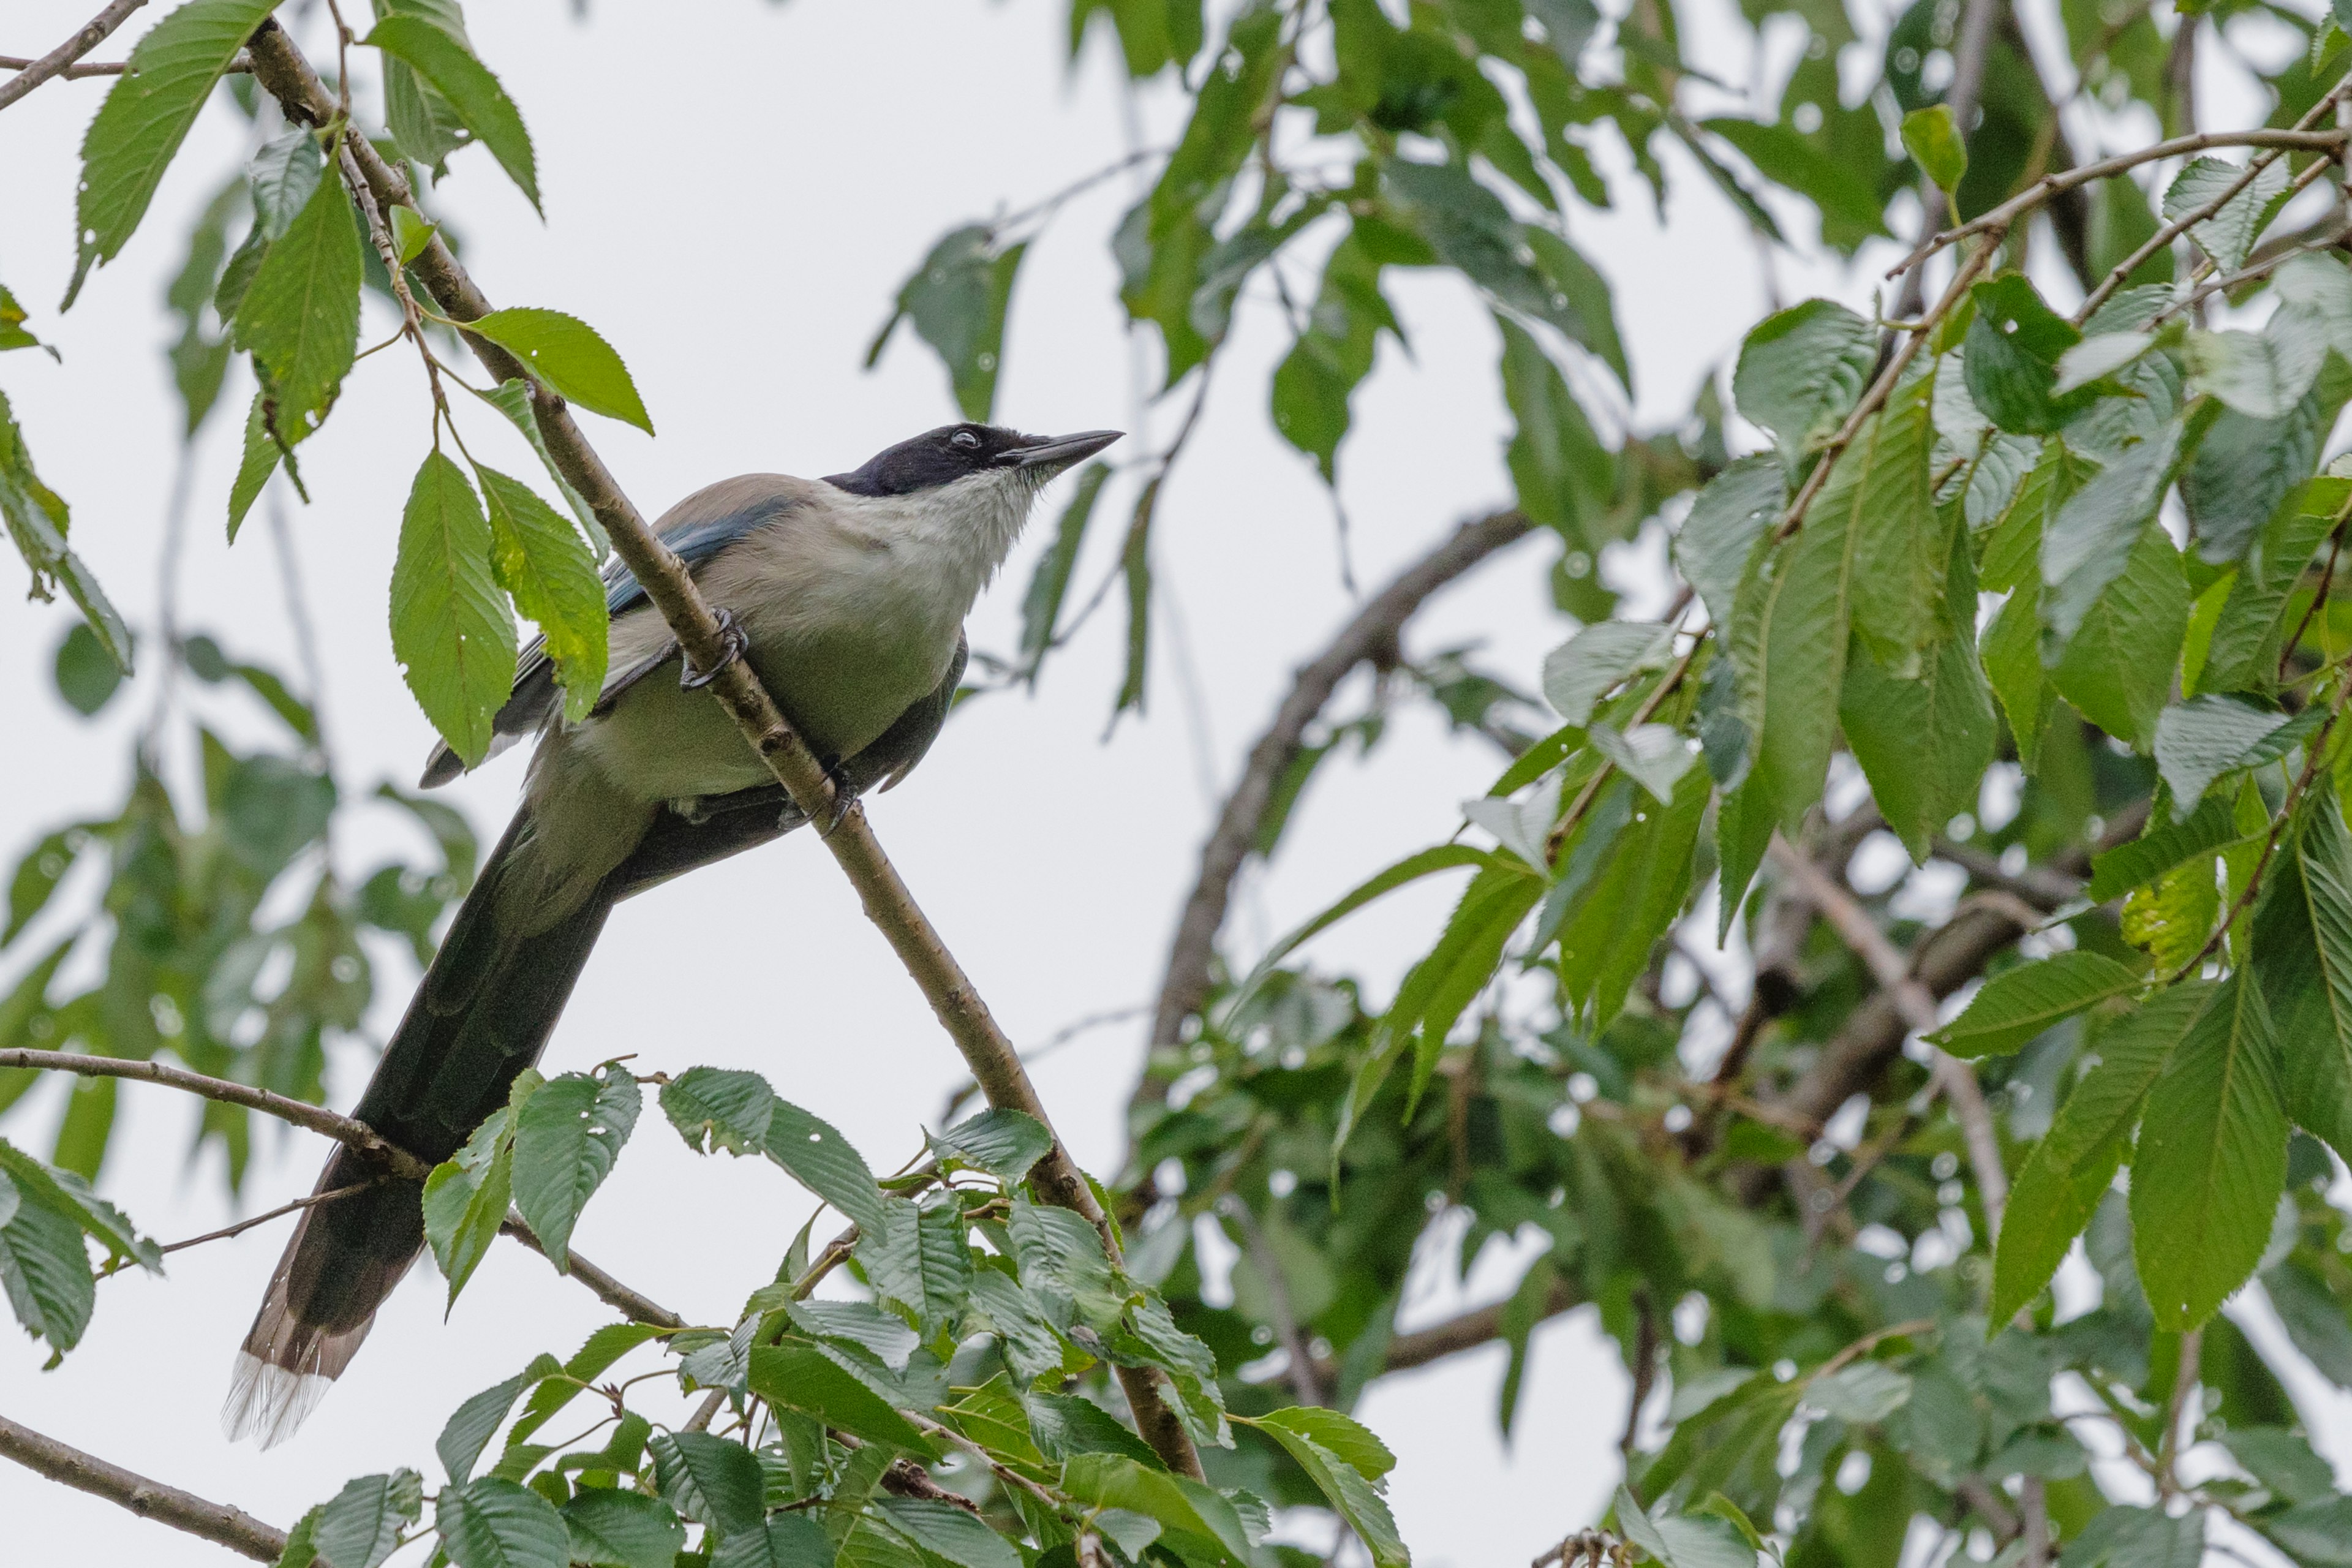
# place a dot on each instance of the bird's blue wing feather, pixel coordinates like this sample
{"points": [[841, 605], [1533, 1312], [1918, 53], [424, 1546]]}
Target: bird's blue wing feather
{"points": [[695, 543]]}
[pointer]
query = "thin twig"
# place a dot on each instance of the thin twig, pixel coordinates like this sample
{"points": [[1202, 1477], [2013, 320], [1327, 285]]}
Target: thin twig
{"points": [[2184, 1379], [59, 60], [1303, 1380], [2002, 217], [837, 1252], [214, 1521], [241, 1226], [2169, 232], [629, 1304], [288, 76], [2319, 597]]}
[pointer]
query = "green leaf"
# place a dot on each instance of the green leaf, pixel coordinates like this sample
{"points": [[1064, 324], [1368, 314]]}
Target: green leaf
{"points": [[1932, 138], [1684, 1543], [2211, 1159], [2165, 843], [2011, 358], [2118, 666], [44, 1270], [1586, 668], [1471, 230], [465, 1197], [1002, 1142], [1902, 544], [1783, 154], [2302, 954], [606, 1346], [1800, 371], [491, 1523], [2282, 1460], [792, 1541], [821, 1160], [69, 1197], [468, 88], [611, 1529], [1031, 1345], [2199, 740], [1655, 756], [799, 1377], [709, 1479], [1411, 868], [1067, 1424], [1345, 1438], [1720, 532], [1179, 1503], [2230, 233], [1041, 608], [538, 558], [37, 518], [512, 398], [957, 299], [1789, 637], [1349, 1491], [361, 1526], [1923, 743], [946, 1531], [2060, 1186], [146, 116], [451, 628], [471, 1425], [2088, 542], [567, 353], [2245, 468], [2243, 652], [301, 1546], [410, 233], [566, 1140], [254, 469], [1563, 474], [718, 1108], [1864, 1392], [2016, 1005], [917, 1257], [87, 675], [300, 316]]}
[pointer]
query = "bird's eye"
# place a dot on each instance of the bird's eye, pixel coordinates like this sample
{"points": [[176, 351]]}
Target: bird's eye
{"points": [[965, 439]]}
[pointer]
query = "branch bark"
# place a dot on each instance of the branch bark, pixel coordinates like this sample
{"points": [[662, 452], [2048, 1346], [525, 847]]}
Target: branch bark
{"points": [[282, 71], [316, 1118], [58, 61], [214, 1521]]}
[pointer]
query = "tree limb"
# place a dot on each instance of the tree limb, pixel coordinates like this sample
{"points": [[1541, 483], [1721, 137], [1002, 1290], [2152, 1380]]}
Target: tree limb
{"points": [[609, 1291], [282, 71], [214, 1521], [59, 60], [316, 1118]]}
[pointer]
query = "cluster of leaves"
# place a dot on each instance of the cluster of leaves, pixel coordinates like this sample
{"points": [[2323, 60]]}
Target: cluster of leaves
{"points": [[981, 1340], [218, 929], [287, 297]]}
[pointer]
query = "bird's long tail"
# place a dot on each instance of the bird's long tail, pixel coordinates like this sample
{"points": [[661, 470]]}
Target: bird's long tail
{"points": [[480, 1016]]}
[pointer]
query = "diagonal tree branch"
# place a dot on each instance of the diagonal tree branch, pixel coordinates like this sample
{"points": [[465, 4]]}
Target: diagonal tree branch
{"points": [[57, 62], [282, 71], [214, 1521]]}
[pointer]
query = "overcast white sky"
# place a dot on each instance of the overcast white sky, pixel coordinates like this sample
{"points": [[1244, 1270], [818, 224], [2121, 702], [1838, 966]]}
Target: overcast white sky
{"points": [[733, 205]]}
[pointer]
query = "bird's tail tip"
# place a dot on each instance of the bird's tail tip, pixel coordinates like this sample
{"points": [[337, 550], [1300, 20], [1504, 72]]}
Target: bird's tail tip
{"points": [[268, 1402]]}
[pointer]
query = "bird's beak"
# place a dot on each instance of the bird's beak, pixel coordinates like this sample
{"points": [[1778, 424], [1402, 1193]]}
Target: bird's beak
{"points": [[1058, 452]]}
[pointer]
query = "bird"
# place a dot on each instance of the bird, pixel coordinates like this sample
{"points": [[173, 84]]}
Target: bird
{"points": [[848, 596]]}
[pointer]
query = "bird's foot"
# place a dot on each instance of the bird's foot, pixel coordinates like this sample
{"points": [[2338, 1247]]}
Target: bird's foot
{"points": [[845, 795], [731, 633]]}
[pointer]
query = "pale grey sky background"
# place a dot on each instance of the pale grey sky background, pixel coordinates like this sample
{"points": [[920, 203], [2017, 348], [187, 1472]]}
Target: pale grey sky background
{"points": [[733, 192]]}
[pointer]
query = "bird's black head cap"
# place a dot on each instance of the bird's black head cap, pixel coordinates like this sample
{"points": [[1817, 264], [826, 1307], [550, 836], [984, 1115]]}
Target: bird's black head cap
{"points": [[953, 452]]}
